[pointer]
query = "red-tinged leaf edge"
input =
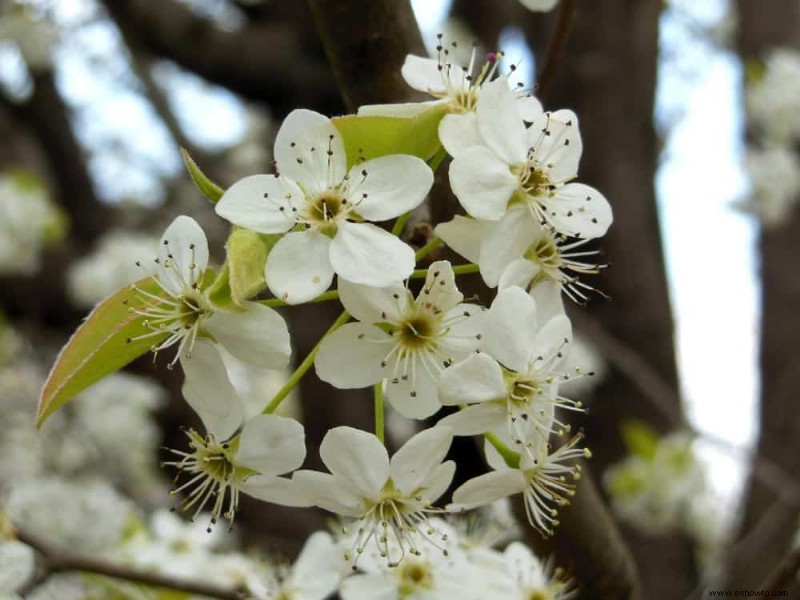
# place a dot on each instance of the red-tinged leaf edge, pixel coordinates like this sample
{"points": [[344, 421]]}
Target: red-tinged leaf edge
{"points": [[99, 347]]}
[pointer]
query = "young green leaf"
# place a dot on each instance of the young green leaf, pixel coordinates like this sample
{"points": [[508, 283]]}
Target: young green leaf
{"points": [[640, 439], [247, 254], [105, 342], [207, 187], [367, 137]]}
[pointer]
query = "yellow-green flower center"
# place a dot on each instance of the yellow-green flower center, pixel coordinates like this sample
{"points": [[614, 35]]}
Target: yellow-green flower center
{"points": [[414, 576]]}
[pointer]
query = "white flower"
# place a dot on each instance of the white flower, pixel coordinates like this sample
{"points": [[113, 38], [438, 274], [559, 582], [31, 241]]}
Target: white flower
{"points": [[109, 267], [17, 565], [257, 335], [774, 174], [531, 167], [235, 455], [35, 34], [458, 90], [314, 575], [539, 5], [772, 99], [512, 384], [518, 250], [315, 193], [388, 499], [540, 476], [405, 340], [530, 578]]}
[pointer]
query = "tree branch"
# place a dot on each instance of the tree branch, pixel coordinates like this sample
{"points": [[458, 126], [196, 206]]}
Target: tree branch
{"points": [[558, 42], [56, 560]]}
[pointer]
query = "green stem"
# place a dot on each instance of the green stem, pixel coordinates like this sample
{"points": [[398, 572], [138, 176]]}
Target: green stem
{"points": [[304, 367], [511, 457], [324, 297], [400, 224], [458, 270], [428, 248], [379, 427], [437, 159]]}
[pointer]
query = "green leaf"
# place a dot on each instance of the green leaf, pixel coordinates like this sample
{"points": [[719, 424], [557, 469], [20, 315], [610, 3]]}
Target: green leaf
{"points": [[369, 137], [207, 187], [247, 254], [100, 346], [641, 439]]}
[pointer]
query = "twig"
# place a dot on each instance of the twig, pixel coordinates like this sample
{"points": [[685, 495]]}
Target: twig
{"points": [[56, 560], [565, 17]]}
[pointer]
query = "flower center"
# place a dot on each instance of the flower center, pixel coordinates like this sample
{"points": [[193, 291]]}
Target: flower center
{"points": [[523, 391], [465, 101], [539, 594], [417, 332], [533, 179], [414, 576]]}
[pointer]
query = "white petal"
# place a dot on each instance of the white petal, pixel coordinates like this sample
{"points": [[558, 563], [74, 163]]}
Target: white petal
{"points": [[315, 573], [549, 303], [364, 253], [372, 304], [302, 151], [440, 292], [271, 445], [464, 235], [414, 400], [277, 490], [209, 392], [351, 356], [488, 488], [493, 458], [415, 462], [557, 144], [519, 273], [298, 268], [401, 109], [369, 587], [477, 378], [457, 132], [506, 241], [17, 566], [554, 337], [262, 203], [539, 5], [439, 480], [392, 186], [465, 333], [528, 107], [500, 124], [510, 326], [424, 74], [476, 419], [325, 491], [182, 254], [258, 336], [356, 458], [482, 183], [578, 210]]}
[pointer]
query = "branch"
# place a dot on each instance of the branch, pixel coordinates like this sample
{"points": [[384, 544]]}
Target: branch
{"points": [[587, 544], [566, 16], [263, 63], [780, 578], [56, 561], [366, 44]]}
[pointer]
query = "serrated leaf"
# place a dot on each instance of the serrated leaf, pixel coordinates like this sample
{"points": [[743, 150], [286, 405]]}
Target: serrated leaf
{"points": [[640, 439], [100, 346], [207, 187], [370, 137]]}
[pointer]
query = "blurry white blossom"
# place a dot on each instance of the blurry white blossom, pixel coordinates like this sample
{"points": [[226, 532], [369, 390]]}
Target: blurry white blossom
{"points": [[772, 99], [774, 173], [34, 34], [111, 266], [28, 223], [17, 563]]}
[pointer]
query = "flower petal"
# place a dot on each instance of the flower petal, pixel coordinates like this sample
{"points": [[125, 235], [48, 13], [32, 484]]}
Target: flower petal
{"points": [[364, 253], [553, 339], [262, 203], [351, 356], [258, 336], [477, 378], [549, 303], [325, 491], [528, 107], [482, 183], [414, 399], [271, 445], [389, 186], [298, 268], [464, 235], [277, 490], [356, 458], [413, 464], [310, 151], [372, 304], [209, 392], [519, 273], [487, 488], [557, 144], [500, 124], [440, 292], [316, 572], [510, 327], [369, 587], [439, 480], [401, 109], [465, 332], [506, 241], [182, 255], [476, 419], [457, 132], [427, 75], [578, 210]]}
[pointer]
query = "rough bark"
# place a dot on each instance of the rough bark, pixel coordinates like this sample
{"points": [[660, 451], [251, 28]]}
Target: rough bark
{"points": [[779, 440]]}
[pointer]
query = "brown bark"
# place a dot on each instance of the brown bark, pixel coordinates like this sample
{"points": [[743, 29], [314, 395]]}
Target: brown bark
{"points": [[608, 76], [779, 440]]}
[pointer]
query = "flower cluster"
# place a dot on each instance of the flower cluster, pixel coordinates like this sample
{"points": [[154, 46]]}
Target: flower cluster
{"points": [[409, 334]]}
